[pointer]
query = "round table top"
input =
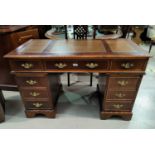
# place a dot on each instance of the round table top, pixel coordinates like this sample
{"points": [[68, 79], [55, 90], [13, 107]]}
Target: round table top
{"points": [[51, 34]]}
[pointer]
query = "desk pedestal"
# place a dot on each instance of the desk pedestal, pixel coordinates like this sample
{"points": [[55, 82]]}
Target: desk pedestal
{"points": [[117, 94], [39, 92]]}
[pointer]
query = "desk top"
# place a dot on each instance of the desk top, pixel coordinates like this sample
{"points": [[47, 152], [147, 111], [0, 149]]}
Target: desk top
{"points": [[49, 49]]}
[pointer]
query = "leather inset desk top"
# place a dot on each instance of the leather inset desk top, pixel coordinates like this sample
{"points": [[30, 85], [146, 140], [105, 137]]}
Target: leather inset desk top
{"points": [[77, 48]]}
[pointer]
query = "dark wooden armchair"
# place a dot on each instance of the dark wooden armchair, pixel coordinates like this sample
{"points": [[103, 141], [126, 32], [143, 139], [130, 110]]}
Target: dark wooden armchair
{"points": [[80, 32]]}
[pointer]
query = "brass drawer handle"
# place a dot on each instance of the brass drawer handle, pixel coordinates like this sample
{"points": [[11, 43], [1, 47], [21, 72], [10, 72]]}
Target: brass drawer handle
{"points": [[38, 105], [60, 65], [31, 82], [120, 95], [127, 65], [122, 83], [92, 65], [117, 106], [27, 65], [34, 94]]}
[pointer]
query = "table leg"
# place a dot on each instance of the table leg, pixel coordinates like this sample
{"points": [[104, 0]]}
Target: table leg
{"points": [[91, 79], [2, 106], [2, 100]]}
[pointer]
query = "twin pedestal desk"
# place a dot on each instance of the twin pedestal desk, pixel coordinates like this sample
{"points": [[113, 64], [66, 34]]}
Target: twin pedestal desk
{"points": [[37, 65]]}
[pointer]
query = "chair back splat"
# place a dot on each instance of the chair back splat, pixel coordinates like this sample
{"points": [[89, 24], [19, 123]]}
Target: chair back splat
{"points": [[80, 31]]}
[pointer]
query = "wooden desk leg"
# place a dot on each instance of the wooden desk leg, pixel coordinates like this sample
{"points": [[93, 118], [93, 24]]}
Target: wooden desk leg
{"points": [[124, 115]]}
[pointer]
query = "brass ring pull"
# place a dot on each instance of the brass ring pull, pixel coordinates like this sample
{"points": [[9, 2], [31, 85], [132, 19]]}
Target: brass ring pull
{"points": [[92, 65], [31, 82], [127, 65], [34, 94], [122, 83], [120, 95], [27, 65], [117, 106], [60, 65], [38, 105]]}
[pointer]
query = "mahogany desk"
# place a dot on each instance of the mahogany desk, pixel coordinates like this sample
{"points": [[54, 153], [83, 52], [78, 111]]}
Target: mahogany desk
{"points": [[37, 63]]}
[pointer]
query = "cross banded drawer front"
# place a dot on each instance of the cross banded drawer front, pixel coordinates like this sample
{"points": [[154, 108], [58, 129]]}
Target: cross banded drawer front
{"points": [[38, 104], [127, 65], [31, 81], [74, 65], [60, 65], [117, 83], [120, 95], [34, 93], [26, 65], [118, 106], [94, 65]]}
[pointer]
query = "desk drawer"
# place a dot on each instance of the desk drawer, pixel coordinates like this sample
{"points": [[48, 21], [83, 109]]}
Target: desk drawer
{"points": [[128, 64], [38, 104], [61, 65], [26, 65], [93, 65], [118, 106], [124, 83], [73, 65], [120, 95], [32, 93], [32, 81]]}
